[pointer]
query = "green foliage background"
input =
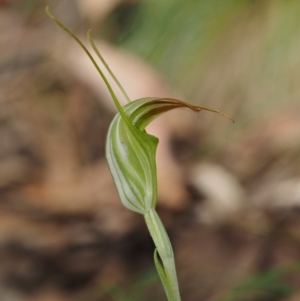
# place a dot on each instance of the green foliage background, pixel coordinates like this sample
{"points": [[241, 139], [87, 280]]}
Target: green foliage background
{"points": [[237, 53]]}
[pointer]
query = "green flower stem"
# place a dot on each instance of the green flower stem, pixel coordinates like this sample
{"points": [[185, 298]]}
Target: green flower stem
{"points": [[165, 251]]}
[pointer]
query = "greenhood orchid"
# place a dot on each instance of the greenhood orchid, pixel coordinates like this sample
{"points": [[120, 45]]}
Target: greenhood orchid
{"points": [[130, 153]]}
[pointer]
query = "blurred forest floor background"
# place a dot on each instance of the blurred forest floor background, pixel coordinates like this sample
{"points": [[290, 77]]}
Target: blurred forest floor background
{"points": [[228, 193]]}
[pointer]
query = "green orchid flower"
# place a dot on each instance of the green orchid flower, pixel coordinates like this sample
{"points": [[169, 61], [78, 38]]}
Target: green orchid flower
{"points": [[130, 153]]}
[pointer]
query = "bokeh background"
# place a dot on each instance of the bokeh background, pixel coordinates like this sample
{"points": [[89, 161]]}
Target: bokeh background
{"points": [[229, 194]]}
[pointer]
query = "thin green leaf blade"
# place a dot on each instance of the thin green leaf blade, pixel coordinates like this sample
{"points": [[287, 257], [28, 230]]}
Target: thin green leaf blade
{"points": [[161, 272]]}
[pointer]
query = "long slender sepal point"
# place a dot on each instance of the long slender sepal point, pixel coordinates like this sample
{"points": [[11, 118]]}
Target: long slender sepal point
{"points": [[113, 95], [89, 36]]}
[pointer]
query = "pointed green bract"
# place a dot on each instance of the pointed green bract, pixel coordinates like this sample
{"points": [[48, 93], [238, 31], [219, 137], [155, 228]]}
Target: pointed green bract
{"points": [[161, 273], [166, 269]]}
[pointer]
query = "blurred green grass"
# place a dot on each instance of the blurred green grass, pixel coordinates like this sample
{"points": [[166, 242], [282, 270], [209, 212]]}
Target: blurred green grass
{"points": [[174, 35], [269, 285], [238, 54], [144, 286]]}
